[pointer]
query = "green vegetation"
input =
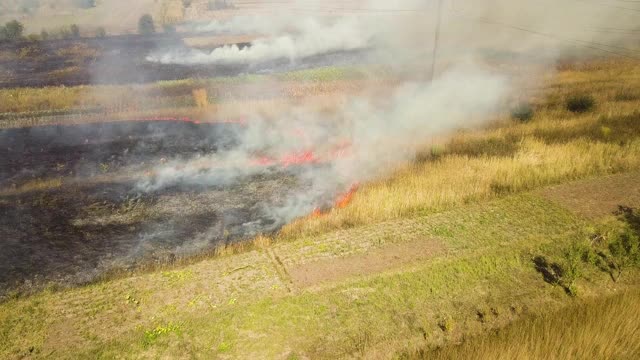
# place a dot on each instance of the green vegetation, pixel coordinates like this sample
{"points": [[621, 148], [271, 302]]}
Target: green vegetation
{"points": [[146, 25], [101, 32], [523, 112], [581, 103], [11, 31]]}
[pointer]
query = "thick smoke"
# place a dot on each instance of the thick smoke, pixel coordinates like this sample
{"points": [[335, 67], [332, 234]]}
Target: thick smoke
{"points": [[379, 134], [303, 38], [382, 133]]}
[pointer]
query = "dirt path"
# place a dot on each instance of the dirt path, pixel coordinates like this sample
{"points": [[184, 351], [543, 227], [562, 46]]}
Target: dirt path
{"points": [[597, 197], [375, 261]]}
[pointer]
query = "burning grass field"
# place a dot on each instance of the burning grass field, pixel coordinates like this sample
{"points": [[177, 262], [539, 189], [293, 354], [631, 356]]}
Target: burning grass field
{"points": [[464, 221]]}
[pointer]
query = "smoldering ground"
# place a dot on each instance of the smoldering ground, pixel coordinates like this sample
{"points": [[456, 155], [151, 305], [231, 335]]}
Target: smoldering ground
{"points": [[71, 208]]}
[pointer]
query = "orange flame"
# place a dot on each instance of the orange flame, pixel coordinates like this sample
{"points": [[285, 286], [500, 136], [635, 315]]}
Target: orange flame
{"points": [[341, 203], [346, 198]]}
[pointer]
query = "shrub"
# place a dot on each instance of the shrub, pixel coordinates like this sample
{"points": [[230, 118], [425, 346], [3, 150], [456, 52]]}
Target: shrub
{"points": [[565, 272], [101, 32], [75, 31], [12, 31], [624, 250], [616, 246], [581, 103], [523, 112], [146, 25]]}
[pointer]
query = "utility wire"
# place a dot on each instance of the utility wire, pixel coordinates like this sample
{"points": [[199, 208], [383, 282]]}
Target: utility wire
{"points": [[586, 44]]}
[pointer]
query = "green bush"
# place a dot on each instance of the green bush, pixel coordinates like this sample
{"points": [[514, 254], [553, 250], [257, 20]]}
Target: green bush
{"points": [[624, 250], [581, 103], [75, 31], [146, 25], [567, 270], [523, 112], [616, 246], [12, 31], [101, 32]]}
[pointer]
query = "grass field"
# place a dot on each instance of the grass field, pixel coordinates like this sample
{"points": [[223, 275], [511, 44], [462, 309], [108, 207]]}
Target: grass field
{"points": [[555, 146], [479, 208], [178, 95], [596, 329]]}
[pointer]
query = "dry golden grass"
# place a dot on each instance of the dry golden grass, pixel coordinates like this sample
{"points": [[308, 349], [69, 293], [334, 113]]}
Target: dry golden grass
{"points": [[556, 146], [597, 329], [33, 186], [180, 94], [200, 97]]}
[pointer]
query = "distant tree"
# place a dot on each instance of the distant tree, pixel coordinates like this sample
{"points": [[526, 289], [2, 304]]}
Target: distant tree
{"points": [[44, 35], [63, 33], [75, 31], [101, 32], [13, 30], [146, 25]]}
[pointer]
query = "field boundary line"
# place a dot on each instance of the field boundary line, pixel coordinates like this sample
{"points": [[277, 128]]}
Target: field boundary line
{"points": [[281, 269]]}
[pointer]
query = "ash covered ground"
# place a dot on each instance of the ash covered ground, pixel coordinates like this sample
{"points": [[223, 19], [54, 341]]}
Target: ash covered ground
{"points": [[71, 208]]}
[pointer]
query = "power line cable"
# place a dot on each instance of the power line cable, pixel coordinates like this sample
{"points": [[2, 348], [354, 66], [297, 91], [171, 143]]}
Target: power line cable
{"points": [[586, 44]]}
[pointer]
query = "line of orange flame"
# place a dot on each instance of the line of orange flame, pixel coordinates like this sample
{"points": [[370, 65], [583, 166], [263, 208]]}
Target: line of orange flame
{"points": [[341, 203]]}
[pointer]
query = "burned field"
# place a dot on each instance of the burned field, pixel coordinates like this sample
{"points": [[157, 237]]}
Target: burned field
{"points": [[122, 60], [72, 209]]}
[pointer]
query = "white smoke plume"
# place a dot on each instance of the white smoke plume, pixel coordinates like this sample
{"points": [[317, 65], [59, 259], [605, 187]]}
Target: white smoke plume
{"points": [[305, 37], [379, 134], [383, 133]]}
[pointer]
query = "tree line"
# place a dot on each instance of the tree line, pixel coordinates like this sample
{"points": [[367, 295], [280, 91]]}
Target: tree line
{"points": [[14, 31]]}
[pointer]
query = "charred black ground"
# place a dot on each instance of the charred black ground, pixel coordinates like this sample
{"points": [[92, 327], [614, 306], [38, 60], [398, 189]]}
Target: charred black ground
{"points": [[70, 208], [122, 60]]}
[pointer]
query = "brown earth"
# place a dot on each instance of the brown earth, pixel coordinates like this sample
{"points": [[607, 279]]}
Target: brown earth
{"points": [[374, 261], [594, 198]]}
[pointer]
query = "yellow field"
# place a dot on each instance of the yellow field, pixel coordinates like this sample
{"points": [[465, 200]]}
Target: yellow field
{"points": [[596, 329], [555, 146]]}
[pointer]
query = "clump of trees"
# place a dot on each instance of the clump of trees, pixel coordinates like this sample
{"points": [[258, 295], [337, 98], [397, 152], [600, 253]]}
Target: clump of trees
{"points": [[12, 31]]}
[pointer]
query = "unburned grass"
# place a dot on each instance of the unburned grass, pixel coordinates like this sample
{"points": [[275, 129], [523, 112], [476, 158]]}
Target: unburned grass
{"points": [[593, 329]]}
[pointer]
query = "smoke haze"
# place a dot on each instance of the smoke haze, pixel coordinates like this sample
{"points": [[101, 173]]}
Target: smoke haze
{"points": [[381, 134]]}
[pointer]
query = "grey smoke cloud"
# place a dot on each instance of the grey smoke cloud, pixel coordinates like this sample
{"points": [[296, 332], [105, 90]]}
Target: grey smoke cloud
{"points": [[385, 133], [380, 135]]}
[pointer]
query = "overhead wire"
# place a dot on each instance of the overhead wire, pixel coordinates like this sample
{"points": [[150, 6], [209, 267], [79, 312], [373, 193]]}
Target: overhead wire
{"points": [[577, 42]]}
